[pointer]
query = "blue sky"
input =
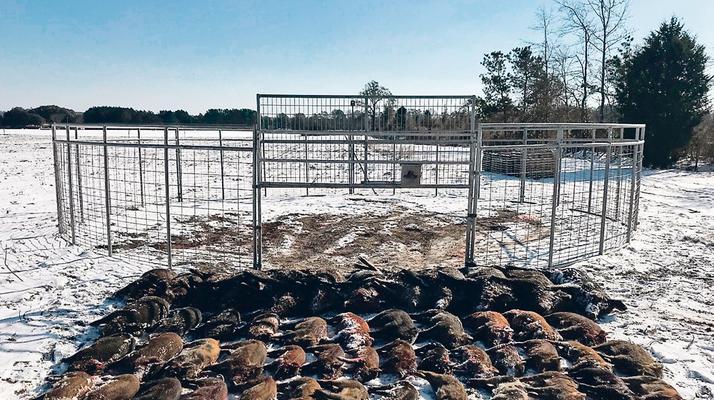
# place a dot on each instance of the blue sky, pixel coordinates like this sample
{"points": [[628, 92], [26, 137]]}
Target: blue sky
{"points": [[197, 55]]}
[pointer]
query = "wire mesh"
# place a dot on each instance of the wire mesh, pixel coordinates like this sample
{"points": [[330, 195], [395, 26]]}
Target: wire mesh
{"points": [[204, 215], [532, 194], [359, 142]]}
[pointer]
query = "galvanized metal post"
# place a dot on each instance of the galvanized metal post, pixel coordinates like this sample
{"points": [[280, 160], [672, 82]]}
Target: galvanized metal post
{"points": [[258, 169], [633, 182], [524, 163], [351, 150], [436, 173], [167, 186], [560, 158], [555, 201], [80, 192], [592, 174], [474, 186], [220, 154], [307, 168], [257, 213], [179, 180], [639, 177], [107, 194], [394, 164], [366, 138], [603, 217], [58, 193], [619, 174], [71, 189], [141, 167], [479, 158]]}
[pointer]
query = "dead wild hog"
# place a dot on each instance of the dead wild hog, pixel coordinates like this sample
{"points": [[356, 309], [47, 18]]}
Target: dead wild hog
{"points": [[72, 385], [530, 325], [446, 387], [122, 387], [629, 358], [160, 389], [490, 327], [577, 327], [193, 359], [105, 350]]}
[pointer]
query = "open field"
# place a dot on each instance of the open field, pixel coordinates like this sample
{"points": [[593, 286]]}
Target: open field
{"points": [[49, 290]]}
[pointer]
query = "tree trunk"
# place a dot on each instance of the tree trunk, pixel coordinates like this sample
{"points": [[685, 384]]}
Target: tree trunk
{"points": [[525, 93], [547, 80], [602, 84], [583, 105]]}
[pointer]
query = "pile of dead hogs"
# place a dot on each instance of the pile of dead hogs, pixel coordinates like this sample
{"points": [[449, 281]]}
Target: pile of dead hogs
{"points": [[443, 334]]}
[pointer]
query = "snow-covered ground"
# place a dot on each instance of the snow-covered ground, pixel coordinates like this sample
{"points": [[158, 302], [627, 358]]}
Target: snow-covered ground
{"points": [[666, 277], [49, 290]]}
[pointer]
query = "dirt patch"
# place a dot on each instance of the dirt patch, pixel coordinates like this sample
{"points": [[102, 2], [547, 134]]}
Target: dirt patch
{"points": [[400, 238]]}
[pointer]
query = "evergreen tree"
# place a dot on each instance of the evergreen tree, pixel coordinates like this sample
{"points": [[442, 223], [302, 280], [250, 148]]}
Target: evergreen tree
{"points": [[496, 85], [527, 68], [664, 84], [55, 113], [183, 117]]}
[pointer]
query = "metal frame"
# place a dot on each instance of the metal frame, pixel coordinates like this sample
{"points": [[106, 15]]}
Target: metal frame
{"points": [[133, 184], [558, 138], [575, 180]]}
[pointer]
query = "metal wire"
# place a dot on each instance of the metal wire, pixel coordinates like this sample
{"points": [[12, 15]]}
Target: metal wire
{"points": [[209, 193], [533, 194]]}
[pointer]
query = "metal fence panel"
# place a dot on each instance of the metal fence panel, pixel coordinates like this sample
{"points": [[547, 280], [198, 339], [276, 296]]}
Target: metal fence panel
{"points": [[205, 216], [533, 194]]}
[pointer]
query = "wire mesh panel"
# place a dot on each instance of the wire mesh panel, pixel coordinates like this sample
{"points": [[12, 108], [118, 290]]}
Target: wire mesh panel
{"points": [[211, 200], [532, 194], [360, 142], [569, 190], [515, 205], [157, 195]]}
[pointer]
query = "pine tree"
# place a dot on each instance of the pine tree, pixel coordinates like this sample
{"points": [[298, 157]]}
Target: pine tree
{"points": [[496, 85], [664, 84], [527, 68]]}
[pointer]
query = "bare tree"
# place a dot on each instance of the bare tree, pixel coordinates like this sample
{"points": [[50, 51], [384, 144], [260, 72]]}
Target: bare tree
{"points": [[701, 146], [610, 17], [563, 63], [544, 25], [577, 20], [375, 93]]}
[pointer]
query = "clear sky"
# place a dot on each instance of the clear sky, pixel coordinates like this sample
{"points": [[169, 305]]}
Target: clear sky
{"points": [[197, 55]]}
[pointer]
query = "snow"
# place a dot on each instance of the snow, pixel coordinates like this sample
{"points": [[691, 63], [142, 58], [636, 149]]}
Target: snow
{"points": [[665, 277], [50, 290]]}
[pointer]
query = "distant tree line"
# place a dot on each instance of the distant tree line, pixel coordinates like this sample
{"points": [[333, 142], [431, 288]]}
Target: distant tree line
{"points": [[19, 117]]}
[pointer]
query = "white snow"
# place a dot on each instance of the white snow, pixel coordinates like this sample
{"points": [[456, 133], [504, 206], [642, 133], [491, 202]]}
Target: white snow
{"points": [[664, 276]]}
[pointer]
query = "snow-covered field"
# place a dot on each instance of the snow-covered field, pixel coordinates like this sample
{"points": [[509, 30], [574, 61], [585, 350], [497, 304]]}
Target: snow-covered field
{"points": [[49, 290]]}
